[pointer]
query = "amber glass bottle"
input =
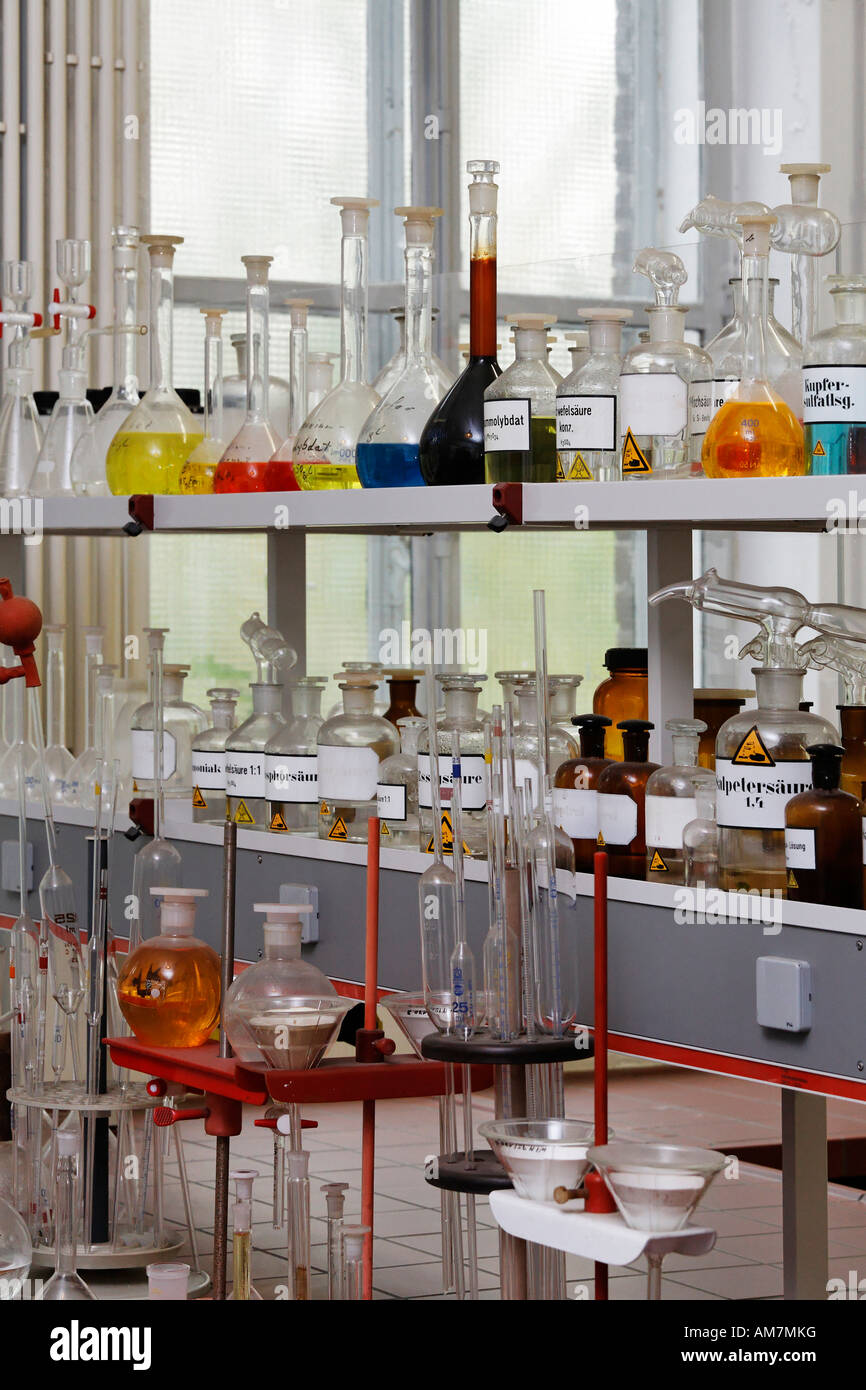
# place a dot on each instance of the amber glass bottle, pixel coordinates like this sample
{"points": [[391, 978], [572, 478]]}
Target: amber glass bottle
{"points": [[621, 802], [402, 687], [824, 837], [575, 798], [623, 695], [715, 707], [852, 721]]}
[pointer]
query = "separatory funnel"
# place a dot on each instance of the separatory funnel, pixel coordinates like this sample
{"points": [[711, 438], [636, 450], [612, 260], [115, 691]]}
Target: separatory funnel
{"points": [[279, 474], [587, 438], [834, 383], [388, 445], [520, 409], [169, 987], [452, 442], [325, 449], [20, 427], [242, 466], [197, 474], [72, 414], [158, 436]]}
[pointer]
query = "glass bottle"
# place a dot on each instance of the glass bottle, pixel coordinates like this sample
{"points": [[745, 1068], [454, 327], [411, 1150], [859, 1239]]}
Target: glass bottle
{"points": [[282, 1010], [403, 690], [20, 426], [804, 232], [755, 433], [279, 474], [852, 722], [563, 701], [849, 659], [452, 443], [351, 747], [460, 693], [242, 466], [209, 759], [197, 474], [834, 384], [394, 366], [81, 768], [783, 353], [182, 722], [587, 442], [520, 410], [57, 759], [388, 448], [291, 764], [65, 1285], [701, 842], [622, 802], [624, 694], [508, 680], [671, 802], [824, 837], [235, 395], [575, 795], [714, 706], [320, 377], [397, 789], [72, 413], [579, 348], [158, 436], [324, 457], [169, 987], [246, 784], [562, 748], [89, 457]]}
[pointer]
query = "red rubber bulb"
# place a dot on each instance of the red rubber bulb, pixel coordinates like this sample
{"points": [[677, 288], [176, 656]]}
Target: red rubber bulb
{"points": [[20, 618]]}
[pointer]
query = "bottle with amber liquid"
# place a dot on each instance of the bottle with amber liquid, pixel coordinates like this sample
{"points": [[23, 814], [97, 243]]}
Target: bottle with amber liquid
{"points": [[824, 837], [623, 695], [452, 441], [575, 794], [622, 802], [403, 689], [852, 722], [169, 987]]}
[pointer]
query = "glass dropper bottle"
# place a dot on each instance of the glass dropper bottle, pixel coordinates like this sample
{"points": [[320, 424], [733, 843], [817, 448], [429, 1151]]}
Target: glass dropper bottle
{"points": [[755, 434], [452, 443], [324, 457], [388, 449], [156, 439], [242, 466], [279, 474], [197, 474]]}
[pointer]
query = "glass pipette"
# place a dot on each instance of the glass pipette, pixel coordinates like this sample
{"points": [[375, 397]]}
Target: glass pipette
{"points": [[158, 864]]}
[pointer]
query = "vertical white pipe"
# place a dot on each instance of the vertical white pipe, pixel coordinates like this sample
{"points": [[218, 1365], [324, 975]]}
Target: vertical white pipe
{"points": [[35, 171], [107, 136], [56, 164], [82, 135], [131, 117], [11, 68]]}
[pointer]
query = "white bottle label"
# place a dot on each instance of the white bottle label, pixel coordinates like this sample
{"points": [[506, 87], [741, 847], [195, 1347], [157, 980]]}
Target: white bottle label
{"points": [[667, 818], [575, 810], [391, 801], [617, 818], [586, 422], [653, 403], [834, 395], [473, 780], [700, 406], [347, 774], [142, 754], [754, 798], [208, 771], [799, 849], [723, 389], [245, 774], [506, 425], [292, 777]]}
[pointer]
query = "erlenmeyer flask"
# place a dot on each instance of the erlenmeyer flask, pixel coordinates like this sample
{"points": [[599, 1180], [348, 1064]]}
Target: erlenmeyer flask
{"points": [[242, 466]]}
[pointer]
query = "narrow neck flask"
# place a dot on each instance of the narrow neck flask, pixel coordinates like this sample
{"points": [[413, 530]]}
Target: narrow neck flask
{"points": [[242, 466], [279, 474], [197, 474]]}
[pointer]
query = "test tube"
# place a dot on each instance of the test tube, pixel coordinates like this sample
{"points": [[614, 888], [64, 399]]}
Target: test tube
{"points": [[242, 1290], [297, 1168], [353, 1266], [335, 1201]]}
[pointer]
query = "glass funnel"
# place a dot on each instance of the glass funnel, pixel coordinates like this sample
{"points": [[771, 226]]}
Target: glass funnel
{"points": [[541, 1155], [89, 457], [834, 384], [291, 766], [388, 445], [279, 474], [755, 433], [168, 988], [158, 436], [656, 1187], [197, 474], [209, 759], [452, 442], [520, 409], [587, 439], [242, 466], [20, 426], [325, 449], [282, 1010]]}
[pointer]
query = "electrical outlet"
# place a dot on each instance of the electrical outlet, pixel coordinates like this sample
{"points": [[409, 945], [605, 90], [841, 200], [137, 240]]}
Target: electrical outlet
{"points": [[304, 893]]}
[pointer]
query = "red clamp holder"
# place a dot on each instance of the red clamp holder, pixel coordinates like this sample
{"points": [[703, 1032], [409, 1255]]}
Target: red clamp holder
{"points": [[508, 502], [141, 815], [270, 1122], [222, 1116], [20, 625], [140, 514], [68, 310], [371, 1045]]}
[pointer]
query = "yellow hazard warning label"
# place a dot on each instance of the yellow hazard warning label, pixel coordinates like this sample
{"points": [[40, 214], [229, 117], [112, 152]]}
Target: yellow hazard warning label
{"points": [[324, 809], [634, 460], [338, 830], [600, 841], [819, 451], [198, 800], [792, 882], [242, 815], [751, 752], [384, 828], [579, 468], [277, 822], [135, 786], [658, 865], [447, 837], [560, 471]]}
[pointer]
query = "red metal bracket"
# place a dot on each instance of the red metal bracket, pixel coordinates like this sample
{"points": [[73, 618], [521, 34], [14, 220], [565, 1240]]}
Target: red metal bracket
{"points": [[508, 502], [141, 514]]}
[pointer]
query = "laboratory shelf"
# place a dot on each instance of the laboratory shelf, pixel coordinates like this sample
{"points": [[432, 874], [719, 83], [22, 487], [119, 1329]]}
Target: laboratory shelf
{"points": [[342, 1079], [199, 1068], [600, 1236]]}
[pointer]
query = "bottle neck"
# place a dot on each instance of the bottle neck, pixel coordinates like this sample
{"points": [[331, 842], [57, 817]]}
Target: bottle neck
{"points": [[161, 327], [125, 347], [685, 750], [635, 746], [258, 314], [605, 338], [306, 701], [778, 689], [592, 742], [55, 698], [461, 704], [213, 385], [282, 950], [418, 317], [755, 311], [849, 306], [297, 378], [530, 345], [223, 716], [482, 284], [65, 1217], [267, 698], [826, 774], [353, 308], [172, 686], [666, 324], [358, 700]]}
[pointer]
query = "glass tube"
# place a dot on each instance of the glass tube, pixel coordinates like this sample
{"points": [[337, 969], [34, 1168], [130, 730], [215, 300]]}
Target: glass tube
{"points": [[242, 466], [297, 1170], [353, 1262], [197, 474], [335, 1201]]}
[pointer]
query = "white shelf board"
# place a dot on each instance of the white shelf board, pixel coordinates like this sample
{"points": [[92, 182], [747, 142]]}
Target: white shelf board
{"points": [[601, 1236], [380, 509]]}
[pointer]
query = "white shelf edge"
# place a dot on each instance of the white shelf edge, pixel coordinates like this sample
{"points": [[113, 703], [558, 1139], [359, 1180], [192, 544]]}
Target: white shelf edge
{"points": [[593, 1235]]}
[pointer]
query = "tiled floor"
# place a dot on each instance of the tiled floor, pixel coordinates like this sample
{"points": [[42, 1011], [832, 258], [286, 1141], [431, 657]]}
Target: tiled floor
{"points": [[679, 1106]]}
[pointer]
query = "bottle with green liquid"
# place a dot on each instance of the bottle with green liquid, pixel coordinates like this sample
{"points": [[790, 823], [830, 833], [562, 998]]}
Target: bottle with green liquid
{"points": [[520, 410]]}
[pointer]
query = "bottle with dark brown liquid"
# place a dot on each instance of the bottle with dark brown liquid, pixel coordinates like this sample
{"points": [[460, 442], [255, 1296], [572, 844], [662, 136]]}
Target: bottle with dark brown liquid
{"points": [[623, 694], [402, 687], [621, 802], [575, 795], [852, 722], [824, 836]]}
